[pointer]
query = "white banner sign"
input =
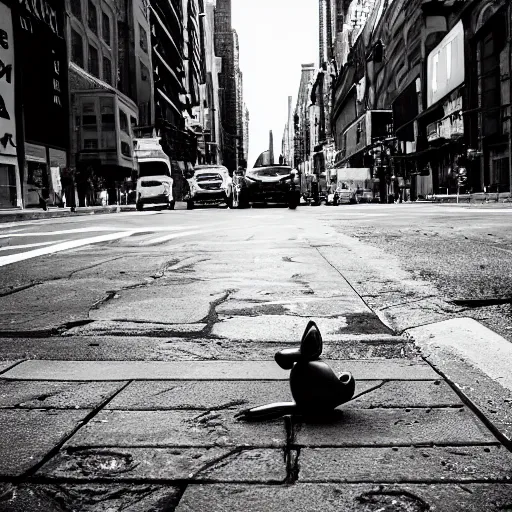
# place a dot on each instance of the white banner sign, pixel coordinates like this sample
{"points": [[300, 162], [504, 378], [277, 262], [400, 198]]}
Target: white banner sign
{"points": [[7, 119]]}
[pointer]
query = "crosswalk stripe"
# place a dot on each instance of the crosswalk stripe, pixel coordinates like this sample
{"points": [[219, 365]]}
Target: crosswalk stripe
{"points": [[26, 246], [165, 238], [63, 246]]}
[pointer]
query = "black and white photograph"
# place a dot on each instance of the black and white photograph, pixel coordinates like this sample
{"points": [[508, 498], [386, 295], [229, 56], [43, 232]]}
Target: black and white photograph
{"points": [[255, 256]]}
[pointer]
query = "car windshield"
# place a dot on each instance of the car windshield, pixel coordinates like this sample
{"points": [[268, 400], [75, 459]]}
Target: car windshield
{"points": [[272, 171], [153, 169]]}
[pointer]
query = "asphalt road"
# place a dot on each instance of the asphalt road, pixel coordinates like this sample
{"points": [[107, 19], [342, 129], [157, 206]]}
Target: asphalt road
{"points": [[446, 261]]}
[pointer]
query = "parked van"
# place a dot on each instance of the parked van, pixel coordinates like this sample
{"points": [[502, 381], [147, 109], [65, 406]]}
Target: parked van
{"points": [[154, 182]]}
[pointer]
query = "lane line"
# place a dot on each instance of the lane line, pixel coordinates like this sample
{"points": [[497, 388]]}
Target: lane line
{"points": [[165, 238], [63, 246]]}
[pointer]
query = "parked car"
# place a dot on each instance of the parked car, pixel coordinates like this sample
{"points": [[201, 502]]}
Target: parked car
{"points": [[154, 190], [268, 184], [209, 184], [344, 196], [364, 195]]}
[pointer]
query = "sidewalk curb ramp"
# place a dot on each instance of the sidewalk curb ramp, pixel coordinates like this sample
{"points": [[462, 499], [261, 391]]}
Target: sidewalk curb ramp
{"points": [[476, 362], [55, 213]]}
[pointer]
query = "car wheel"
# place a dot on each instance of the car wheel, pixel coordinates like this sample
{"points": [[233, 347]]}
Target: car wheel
{"points": [[171, 204], [190, 204], [139, 206]]}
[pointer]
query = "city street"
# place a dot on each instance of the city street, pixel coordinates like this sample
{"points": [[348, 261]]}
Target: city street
{"points": [[129, 341]]}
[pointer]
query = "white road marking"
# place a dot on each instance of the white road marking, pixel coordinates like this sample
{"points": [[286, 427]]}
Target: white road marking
{"points": [[165, 238], [63, 246], [26, 246]]}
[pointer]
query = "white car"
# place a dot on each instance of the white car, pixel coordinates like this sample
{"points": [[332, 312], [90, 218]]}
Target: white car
{"points": [[154, 190], [209, 184]]}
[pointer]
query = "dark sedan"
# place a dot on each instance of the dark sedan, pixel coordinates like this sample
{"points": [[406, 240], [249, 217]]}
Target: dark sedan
{"points": [[269, 184]]}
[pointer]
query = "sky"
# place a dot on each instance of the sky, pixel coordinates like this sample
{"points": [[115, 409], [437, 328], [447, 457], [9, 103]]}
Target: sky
{"points": [[275, 37]]}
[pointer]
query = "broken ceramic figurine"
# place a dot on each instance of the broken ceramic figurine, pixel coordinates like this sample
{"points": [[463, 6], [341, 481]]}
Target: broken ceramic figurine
{"points": [[315, 387]]}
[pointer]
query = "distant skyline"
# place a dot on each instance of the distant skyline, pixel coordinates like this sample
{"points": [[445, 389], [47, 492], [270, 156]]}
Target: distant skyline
{"points": [[276, 37]]}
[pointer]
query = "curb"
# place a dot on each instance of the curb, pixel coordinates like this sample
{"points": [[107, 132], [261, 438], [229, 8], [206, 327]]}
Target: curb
{"points": [[21, 215], [475, 361]]}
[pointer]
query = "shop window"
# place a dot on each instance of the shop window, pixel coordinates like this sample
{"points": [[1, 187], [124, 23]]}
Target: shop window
{"points": [[105, 28], [143, 39], [7, 186], [92, 17], [77, 48], [107, 70], [76, 8], [125, 149], [94, 67], [123, 122], [37, 174]]}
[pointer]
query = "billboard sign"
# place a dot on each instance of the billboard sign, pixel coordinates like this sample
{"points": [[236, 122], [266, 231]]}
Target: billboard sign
{"points": [[445, 65], [7, 117]]}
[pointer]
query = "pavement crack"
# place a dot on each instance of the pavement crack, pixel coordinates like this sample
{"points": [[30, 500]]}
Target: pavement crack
{"points": [[21, 288], [30, 472], [366, 391], [71, 274], [407, 302], [212, 317], [218, 462]]}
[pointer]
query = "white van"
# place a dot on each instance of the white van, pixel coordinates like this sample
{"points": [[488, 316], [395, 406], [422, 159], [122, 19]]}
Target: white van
{"points": [[154, 183]]}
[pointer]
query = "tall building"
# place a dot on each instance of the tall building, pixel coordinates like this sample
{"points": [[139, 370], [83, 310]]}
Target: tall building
{"points": [[110, 84], [225, 49], [239, 81], [246, 121], [288, 136], [326, 30], [302, 118], [271, 147], [34, 106]]}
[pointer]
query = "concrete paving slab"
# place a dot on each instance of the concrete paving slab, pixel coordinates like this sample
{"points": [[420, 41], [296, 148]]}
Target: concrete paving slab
{"points": [[107, 328], [164, 348], [63, 497], [5, 365], [392, 369], [164, 304], [176, 429], [29, 435], [303, 307], [208, 395], [55, 395], [164, 464], [200, 395], [409, 394], [406, 464], [392, 427], [278, 328], [346, 498], [51, 304]]}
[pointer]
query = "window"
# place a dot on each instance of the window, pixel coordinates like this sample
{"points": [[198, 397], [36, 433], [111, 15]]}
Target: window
{"points": [[76, 8], [143, 39], [105, 28], [93, 61], [77, 49], [107, 70], [144, 72], [125, 149], [89, 115], [7, 186], [133, 122], [108, 123], [92, 17], [123, 122]]}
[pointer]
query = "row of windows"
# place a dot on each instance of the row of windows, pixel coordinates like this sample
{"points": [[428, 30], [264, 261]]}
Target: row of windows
{"points": [[92, 19], [77, 56]]}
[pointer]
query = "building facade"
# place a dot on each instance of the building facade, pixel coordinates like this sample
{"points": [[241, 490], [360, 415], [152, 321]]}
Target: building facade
{"points": [[442, 70], [34, 120]]}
